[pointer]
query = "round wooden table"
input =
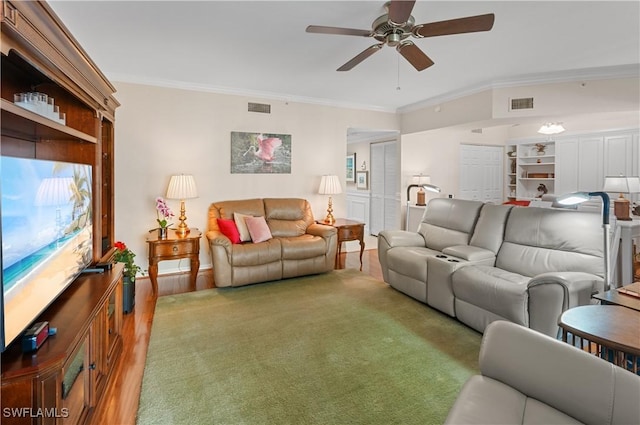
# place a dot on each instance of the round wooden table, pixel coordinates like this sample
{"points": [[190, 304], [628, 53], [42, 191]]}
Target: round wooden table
{"points": [[610, 331]]}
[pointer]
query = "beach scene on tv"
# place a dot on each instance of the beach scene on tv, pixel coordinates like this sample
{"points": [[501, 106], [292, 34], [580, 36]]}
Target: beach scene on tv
{"points": [[46, 234]]}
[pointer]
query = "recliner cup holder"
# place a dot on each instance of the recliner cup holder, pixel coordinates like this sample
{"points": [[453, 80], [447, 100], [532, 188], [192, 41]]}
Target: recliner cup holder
{"points": [[453, 261], [441, 256]]}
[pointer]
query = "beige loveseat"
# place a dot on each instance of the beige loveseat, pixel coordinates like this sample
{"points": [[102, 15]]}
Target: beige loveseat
{"points": [[298, 246]]}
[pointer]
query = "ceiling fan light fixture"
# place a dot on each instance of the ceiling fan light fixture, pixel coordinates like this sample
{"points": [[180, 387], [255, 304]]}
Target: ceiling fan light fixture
{"points": [[551, 128]]}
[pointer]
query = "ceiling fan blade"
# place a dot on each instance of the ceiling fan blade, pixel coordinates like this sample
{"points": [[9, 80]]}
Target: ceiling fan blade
{"points": [[400, 11], [319, 29], [455, 26], [360, 57], [414, 55]]}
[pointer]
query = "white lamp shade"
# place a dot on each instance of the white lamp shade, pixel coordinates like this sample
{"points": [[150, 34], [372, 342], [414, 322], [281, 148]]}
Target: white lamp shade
{"points": [[329, 185], [621, 184], [182, 186], [421, 179], [551, 128]]}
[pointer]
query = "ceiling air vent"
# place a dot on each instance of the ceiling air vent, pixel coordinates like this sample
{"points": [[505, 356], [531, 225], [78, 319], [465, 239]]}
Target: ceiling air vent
{"points": [[260, 107], [521, 103]]}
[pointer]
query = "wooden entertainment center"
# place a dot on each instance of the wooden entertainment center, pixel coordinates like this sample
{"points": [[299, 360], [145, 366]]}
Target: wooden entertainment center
{"points": [[63, 382]]}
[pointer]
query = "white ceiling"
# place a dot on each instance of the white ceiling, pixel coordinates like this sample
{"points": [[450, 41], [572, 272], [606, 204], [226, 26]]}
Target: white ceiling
{"points": [[260, 48]]}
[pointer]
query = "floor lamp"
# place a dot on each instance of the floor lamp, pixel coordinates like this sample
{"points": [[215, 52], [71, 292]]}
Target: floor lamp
{"points": [[428, 187], [575, 198]]}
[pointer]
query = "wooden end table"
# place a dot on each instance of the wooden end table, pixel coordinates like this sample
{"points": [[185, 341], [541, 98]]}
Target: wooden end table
{"points": [[348, 230], [608, 331], [616, 297], [174, 247]]}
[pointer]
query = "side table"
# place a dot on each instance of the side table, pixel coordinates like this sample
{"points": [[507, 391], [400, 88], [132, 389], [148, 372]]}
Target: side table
{"points": [[348, 230], [608, 331], [174, 247], [616, 297]]}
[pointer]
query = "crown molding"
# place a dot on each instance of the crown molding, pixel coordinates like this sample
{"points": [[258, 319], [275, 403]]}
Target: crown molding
{"points": [[183, 85], [587, 74]]}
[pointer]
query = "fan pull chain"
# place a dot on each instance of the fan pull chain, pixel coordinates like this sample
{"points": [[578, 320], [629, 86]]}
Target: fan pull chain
{"points": [[398, 86]]}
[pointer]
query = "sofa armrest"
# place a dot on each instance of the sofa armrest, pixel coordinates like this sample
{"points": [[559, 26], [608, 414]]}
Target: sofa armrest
{"points": [[393, 238], [578, 384], [388, 239], [220, 248], [471, 253], [550, 294], [322, 230]]}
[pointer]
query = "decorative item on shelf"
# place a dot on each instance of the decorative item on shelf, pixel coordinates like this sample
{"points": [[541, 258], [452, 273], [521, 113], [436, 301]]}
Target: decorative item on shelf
{"points": [[540, 149], [162, 210], [542, 190], [363, 166], [512, 154], [574, 198], [329, 185], [621, 184], [182, 186], [41, 104]]}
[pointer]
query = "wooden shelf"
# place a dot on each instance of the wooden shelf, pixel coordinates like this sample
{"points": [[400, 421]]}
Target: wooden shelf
{"points": [[24, 124]]}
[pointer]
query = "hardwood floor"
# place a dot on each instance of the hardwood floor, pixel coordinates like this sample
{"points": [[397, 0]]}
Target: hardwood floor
{"points": [[121, 400]]}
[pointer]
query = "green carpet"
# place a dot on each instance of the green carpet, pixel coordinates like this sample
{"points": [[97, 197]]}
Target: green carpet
{"points": [[338, 348]]}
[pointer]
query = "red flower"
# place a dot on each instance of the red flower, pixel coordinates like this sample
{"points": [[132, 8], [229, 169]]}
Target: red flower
{"points": [[120, 245]]}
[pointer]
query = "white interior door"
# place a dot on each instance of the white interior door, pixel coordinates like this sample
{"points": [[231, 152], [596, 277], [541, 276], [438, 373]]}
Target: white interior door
{"points": [[481, 171], [385, 196]]}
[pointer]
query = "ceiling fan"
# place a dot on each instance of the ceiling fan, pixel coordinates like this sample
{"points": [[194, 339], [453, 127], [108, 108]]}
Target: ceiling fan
{"points": [[397, 25]]}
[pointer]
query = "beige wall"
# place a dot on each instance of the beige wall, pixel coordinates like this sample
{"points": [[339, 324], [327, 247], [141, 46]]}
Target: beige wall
{"points": [[163, 131]]}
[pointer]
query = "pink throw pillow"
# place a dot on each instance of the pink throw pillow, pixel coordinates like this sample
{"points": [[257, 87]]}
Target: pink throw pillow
{"points": [[258, 229], [229, 229]]}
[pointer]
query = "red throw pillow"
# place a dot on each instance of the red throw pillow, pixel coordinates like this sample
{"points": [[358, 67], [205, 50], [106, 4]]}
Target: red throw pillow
{"points": [[229, 229]]}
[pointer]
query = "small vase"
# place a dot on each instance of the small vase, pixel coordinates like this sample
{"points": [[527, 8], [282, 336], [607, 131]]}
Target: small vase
{"points": [[162, 233]]}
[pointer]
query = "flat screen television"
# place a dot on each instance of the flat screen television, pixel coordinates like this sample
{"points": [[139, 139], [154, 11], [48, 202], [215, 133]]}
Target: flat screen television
{"points": [[47, 234]]}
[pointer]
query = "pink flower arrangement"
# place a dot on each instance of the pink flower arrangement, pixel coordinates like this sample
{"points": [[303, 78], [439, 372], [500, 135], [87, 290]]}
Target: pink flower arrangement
{"points": [[162, 210]]}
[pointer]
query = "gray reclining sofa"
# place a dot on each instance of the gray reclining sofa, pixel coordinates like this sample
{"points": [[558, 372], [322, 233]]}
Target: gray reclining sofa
{"points": [[529, 378], [482, 262]]}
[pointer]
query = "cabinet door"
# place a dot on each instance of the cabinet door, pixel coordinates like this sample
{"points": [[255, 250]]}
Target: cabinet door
{"points": [[619, 158], [591, 164], [76, 383], [567, 158]]}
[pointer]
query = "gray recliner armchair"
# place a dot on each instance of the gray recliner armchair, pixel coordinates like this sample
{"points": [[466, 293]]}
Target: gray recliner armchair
{"points": [[530, 378]]}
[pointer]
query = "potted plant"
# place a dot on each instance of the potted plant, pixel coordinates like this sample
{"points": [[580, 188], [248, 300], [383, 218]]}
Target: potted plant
{"points": [[162, 210], [126, 256], [540, 148]]}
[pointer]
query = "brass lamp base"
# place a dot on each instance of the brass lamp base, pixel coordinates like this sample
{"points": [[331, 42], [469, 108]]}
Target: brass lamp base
{"points": [[621, 208], [329, 218], [183, 229]]}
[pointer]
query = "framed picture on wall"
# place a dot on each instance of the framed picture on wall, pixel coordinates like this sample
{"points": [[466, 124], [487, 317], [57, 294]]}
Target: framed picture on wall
{"points": [[351, 168], [260, 153], [362, 180]]}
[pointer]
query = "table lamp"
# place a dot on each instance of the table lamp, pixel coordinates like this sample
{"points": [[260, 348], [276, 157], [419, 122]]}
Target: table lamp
{"points": [[575, 198], [421, 181], [182, 186], [621, 184], [330, 185]]}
